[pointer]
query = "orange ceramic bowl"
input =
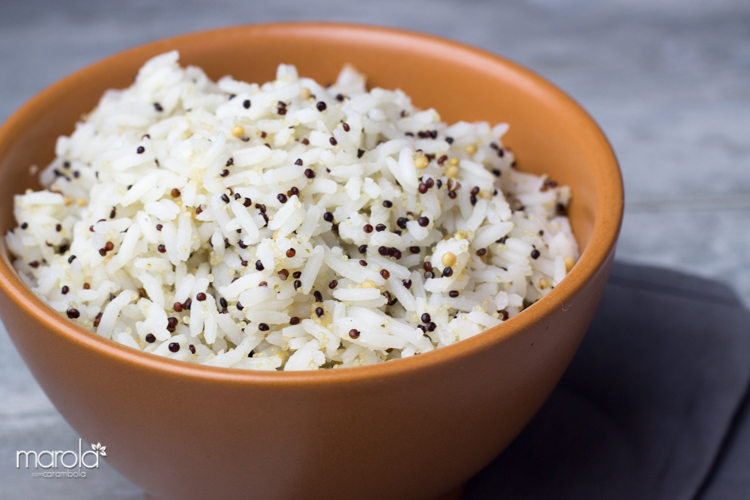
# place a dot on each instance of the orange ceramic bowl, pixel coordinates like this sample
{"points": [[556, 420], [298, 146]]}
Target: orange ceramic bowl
{"points": [[407, 429]]}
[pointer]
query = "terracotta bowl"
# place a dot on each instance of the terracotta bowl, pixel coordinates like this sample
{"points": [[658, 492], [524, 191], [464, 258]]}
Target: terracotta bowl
{"points": [[408, 429]]}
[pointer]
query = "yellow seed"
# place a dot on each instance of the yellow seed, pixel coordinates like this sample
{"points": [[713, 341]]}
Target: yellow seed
{"points": [[421, 162], [452, 171], [368, 284], [305, 93], [68, 200], [543, 283], [485, 194], [82, 202], [461, 235], [449, 258], [454, 161], [237, 131], [470, 149], [569, 263]]}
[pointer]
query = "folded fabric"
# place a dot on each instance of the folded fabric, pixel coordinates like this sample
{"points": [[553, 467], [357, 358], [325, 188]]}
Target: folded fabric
{"points": [[651, 406]]}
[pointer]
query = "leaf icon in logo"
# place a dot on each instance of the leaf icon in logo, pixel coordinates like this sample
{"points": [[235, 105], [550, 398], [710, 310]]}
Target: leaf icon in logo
{"points": [[93, 447], [103, 451]]}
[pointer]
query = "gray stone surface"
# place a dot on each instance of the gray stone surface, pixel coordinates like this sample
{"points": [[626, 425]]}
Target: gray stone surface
{"points": [[667, 81]]}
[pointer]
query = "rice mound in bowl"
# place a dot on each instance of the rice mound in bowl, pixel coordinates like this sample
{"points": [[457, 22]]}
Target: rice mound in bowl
{"points": [[285, 226]]}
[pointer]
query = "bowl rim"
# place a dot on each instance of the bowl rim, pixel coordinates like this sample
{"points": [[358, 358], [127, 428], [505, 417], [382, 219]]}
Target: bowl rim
{"points": [[608, 219]]}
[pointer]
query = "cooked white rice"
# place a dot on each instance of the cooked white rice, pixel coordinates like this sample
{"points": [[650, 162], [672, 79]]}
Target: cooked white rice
{"points": [[285, 226]]}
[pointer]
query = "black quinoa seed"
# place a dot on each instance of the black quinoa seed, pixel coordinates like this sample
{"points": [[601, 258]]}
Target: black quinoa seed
{"points": [[140, 150], [296, 274], [360, 152], [159, 227], [535, 254], [224, 173], [333, 141], [24, 225], [387, 203], [380, 228], [383, 250], [158, 107], [318, 296], [431, 326], [354, 333], [319, 311], [192, 348], [298, 162], [427, 266], [453, 293], [65, 289], [309, 173], [247, 203], [73, 313], [368, 228], [385, 274], [363, 263], [291, 253], [259, 265], [246, 104], [449, 140], [282, 198], [406, 283], [263, 327], [414, 249], [150, 338], [332, 284], [346, 127], [321, 106], [161, 249], [294, 320], [425, 318], [447, 272], [362, 249], [424, 221], [481, 252], [71, 259], [401, 222], [174, 347], [473, 199], [297, 284], [328, 217]]}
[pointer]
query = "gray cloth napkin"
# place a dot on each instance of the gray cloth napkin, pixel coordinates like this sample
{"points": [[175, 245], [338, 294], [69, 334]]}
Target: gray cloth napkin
{"points": [[653, 405]]}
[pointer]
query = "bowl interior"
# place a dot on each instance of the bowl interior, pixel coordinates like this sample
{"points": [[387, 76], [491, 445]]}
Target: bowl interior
{"points": [[549, 133]]}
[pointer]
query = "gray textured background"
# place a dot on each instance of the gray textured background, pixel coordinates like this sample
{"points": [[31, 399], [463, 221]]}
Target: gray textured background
{"points": [[668, 81]]}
